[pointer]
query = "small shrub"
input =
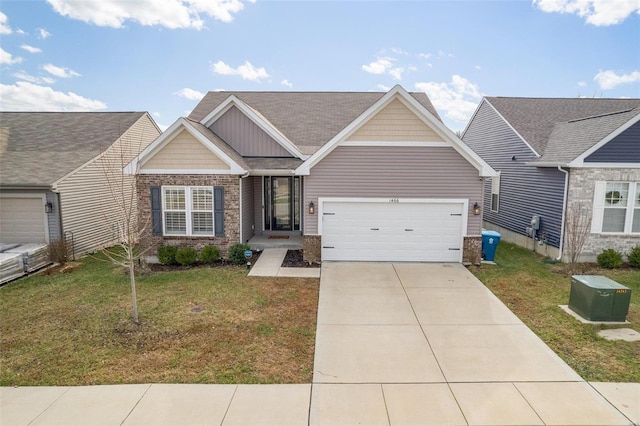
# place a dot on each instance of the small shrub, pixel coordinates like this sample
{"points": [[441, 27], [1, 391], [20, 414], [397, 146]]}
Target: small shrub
{"points": [[209, 254], [634, 257], [610, 259], [236, 253], [167, 255], [186, 256], [59, 251]]}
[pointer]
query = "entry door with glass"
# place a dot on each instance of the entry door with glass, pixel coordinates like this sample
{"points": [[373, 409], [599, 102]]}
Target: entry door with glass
{"points": [[282, 203]]}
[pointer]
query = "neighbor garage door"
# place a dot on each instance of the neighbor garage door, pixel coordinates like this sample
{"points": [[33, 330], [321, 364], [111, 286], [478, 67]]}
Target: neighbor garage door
{"points": [[22, 220], [392, 230]]}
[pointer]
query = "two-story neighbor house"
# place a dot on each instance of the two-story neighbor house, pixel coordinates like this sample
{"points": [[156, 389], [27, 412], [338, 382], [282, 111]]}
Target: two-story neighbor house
{"points": [[557, 157], [355, 176]]}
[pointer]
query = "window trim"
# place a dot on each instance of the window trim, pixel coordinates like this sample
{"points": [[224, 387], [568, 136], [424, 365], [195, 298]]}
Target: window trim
{"points": [[188, 211], [599, 206], [495, 191]]}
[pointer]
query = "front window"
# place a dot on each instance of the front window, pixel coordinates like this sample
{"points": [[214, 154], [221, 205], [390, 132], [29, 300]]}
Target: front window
{"points": [[495, 193], [617, 207], [188, 210]]}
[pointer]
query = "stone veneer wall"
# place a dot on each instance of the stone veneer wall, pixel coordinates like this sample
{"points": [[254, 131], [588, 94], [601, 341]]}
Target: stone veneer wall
{"points": [[472, 250], [581, 191], [231, 184], [312, 248]]}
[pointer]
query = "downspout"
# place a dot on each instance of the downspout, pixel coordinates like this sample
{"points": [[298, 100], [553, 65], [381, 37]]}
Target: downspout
{"points": [[564, 210]]}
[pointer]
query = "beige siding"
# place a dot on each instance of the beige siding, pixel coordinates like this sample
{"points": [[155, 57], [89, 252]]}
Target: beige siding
{"points": [[98, 199], [395, 123], [248, 211], [185, 152], [393, 172]]}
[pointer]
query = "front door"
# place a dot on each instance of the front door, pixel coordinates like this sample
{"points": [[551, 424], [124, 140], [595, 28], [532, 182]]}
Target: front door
{"points": [[282, 203]]}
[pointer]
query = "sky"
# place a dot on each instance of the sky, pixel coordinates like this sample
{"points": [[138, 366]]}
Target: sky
{"points": [[162, 56]]}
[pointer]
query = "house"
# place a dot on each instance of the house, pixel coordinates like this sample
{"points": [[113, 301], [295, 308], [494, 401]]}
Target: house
{"points": [[351, 176], [56, 169], [559, 159]]}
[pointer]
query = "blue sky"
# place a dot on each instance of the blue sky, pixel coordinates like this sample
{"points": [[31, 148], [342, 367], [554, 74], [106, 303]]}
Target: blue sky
{"points": [[161, 56]]}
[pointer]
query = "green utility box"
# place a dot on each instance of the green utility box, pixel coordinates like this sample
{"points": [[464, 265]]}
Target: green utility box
{"points": [[597, 298]]}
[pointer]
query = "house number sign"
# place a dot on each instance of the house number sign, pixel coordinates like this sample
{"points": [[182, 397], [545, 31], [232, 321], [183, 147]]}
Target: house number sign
{"points": [[394, 200]]}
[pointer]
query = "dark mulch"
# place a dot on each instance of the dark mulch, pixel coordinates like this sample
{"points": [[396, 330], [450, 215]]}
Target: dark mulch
{"points": [[294, 259]]}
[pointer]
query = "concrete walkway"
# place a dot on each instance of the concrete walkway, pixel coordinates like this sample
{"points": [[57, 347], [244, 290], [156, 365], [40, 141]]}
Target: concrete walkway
{"points": [[397, 344], [269, 264]]}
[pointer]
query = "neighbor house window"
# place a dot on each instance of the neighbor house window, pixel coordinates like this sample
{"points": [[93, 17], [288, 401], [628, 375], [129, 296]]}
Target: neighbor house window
{"points": [[616, 207], [188, 210], [495, 193]]}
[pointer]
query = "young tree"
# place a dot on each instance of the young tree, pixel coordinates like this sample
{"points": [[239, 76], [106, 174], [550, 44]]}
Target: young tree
{"points": [[576, 231]]}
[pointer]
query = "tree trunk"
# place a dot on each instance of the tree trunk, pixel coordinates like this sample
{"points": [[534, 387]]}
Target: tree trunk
{"points": [[132, 278]]}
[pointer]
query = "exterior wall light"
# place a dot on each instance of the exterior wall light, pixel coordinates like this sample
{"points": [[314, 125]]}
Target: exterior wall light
{"points": [[48, 207], [476, 209], [312, 208]]}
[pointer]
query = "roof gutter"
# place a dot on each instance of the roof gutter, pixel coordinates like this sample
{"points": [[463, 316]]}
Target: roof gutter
{"points": [[546, 164], [26, 186], [271, 172], [564, 210]]}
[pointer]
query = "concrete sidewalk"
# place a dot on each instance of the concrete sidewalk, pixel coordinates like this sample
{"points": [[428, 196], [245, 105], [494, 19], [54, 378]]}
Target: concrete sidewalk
{"points": [[397, 344], [269, 264]]}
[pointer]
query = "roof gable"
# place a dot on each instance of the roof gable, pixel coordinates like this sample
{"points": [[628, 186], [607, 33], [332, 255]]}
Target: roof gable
{"points": [[64, 141], [401, 95]]}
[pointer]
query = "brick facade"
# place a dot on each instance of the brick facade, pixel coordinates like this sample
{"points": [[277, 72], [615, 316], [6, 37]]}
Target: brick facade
{"points": [[472, 250], [581, 192], [231, 184]]}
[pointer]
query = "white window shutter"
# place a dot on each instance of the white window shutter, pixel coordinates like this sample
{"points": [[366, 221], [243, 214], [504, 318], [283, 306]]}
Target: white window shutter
{"points": [[598, 207]]}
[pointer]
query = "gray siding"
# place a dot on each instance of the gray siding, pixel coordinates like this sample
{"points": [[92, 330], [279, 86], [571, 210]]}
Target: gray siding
{"points": [[246, 137], [248, 210], [53, 218], [258, 204], [392, 172], [524, 190], [624, 148]]}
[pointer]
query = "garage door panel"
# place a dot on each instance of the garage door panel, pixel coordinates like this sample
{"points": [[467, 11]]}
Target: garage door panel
{"points": [[22, 220], [405, 231]]}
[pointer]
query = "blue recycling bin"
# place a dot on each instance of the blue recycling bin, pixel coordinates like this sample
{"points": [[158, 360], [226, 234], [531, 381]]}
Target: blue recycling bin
{"points": [[490, 240]]}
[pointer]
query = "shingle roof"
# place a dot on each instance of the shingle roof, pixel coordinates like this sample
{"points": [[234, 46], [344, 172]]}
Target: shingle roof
{"points": [[307, 119], [570, 139], [38, 148], [535, 118]]}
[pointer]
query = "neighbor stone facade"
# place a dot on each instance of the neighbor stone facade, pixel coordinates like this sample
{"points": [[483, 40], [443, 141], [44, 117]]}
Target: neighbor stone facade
{"points": [[231, 184], [581, 193]]}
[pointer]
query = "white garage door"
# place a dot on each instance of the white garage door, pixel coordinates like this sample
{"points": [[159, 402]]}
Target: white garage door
{"points": [[22, 220], [393, 230]]}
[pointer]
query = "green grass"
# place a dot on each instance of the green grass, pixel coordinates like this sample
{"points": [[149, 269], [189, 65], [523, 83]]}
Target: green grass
{"points": [[76, 328], [533, 290]]}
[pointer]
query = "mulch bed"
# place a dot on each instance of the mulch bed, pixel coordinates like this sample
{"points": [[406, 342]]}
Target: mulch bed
{"points": [[294, 259], [158, 267]]}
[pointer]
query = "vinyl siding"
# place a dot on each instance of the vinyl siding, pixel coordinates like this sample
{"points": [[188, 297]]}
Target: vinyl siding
{"points": [[53, 218], [624, 148], [248, 211], [245, 136], [185, 152], [88, 196], [395, 123], [258, 206], [524, 190], [393, 172]]}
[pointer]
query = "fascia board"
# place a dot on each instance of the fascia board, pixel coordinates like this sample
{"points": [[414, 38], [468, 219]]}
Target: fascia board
{"points": [[153, 147], [579, 161], [513, 129], [259, 120]]}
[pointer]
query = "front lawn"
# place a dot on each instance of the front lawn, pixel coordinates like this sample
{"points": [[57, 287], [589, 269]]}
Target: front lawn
{"points": [[533, 290], [202, 325]]}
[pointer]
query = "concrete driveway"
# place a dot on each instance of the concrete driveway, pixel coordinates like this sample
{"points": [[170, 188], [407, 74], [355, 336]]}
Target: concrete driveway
{"points": [[406, 343]]}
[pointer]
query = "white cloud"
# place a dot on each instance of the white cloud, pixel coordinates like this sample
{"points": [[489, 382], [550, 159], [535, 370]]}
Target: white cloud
{"points": [[478, 67], [192, 95], [246, 71], [8, 59], [4, 24], [399, 51], [286, 83], [20, 31], [42, 33], [412, 68], [32, 79], [24, 96], [167, 13], [383, 87], [31, 49], [155, 114], [609, 79], [381, 66], [424, 55], [396, 73], [596, 12], [457, 99], [60, 71], [582, 83]]}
